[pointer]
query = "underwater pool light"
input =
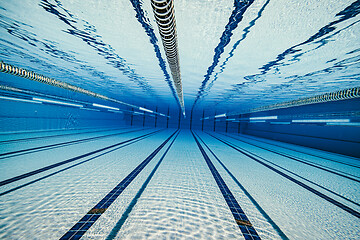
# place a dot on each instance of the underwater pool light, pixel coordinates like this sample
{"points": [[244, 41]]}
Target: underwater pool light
{"points": [[104, 106], [57, 102], [90, 109], [263, 118], [19, 99], [220, 115], [320, 120], [344, 124], [115, 111], [280, 123], [145, 110], [138, 113]]}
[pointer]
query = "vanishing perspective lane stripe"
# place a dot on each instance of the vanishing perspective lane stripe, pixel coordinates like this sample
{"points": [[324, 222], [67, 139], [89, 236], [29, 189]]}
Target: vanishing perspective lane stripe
{"points": [[79, 229], [57, 135], [74, 165], [240, 217], [125, 215], [298, 151], [256, 204], [301, 184], [315, 165], [56, 145], [28, 174]]}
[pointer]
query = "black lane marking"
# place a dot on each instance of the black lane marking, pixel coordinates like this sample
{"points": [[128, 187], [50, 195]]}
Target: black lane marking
{"points": [[301, 184], [305, 179], [240, 217], [67, 168], [315, 165], [57, 135], [132, 204], [310, 154], [56, 145], [256, 204], [28, 174], [79, 229]]}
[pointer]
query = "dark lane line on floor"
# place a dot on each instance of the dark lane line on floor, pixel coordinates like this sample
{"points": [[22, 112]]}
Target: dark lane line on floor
{"points": [[301, 184], [256, 204], [80, 228], [303, 178], [240, 217], [57, 145], [310, 154], [40, 170], [77, 164], [58, 135], [132, 204], [309, 163]]}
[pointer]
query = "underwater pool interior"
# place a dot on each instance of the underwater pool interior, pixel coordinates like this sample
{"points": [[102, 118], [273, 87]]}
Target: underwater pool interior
{"points": [[179, 119]]}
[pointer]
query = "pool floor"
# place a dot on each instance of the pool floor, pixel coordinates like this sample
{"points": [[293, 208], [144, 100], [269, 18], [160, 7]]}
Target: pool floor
{"points": [[152, 183]]}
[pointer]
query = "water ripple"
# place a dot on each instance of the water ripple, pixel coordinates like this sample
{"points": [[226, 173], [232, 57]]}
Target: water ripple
{"points": [[89, 36], [236, 16]]}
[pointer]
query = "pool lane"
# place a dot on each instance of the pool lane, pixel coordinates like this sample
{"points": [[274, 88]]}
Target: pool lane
{"points": [[19, 165], [23, 148], [182, 200], [316, 154], [266, 226], [57, 203], [332, 181], [349, 175], [240, 217], [80, 228], [28, 137], [84, 159], [5, 136], [268, 164], [298, 212]]}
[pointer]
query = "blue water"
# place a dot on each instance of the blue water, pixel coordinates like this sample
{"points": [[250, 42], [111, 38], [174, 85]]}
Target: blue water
{"points": [[256, 50], [73, 166]]}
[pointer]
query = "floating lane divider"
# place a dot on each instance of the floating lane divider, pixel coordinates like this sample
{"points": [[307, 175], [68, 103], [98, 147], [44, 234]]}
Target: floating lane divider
{"points": [[301, 184], [309, 163], [57, 135], [256, 204], [74, 165], [40, 170], [125, 215], [56, 145], [240, 217], [20, 72], [80, 228]]}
